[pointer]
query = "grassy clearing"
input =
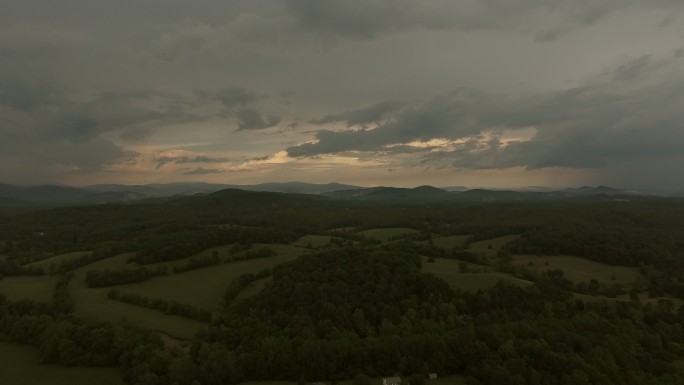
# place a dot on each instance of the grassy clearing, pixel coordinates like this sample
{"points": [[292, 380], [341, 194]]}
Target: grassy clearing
{"points": [[253, 288], [451, 242], [643, 298], [37, 288], [204, 287], [93, 304], [448, 380], [385, 234], [578, 269], [313, 240], [21, 366], [57, 259], [490, 247], [448, 270]]}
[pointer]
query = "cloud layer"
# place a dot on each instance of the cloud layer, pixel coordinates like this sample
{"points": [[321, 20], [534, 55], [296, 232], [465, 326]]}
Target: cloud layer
{"points": [[399, 92]]}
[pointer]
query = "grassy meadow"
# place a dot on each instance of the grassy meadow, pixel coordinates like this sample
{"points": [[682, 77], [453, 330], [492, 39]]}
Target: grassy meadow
{"points": [[21, 365], [34, 287], [578, 269], [449, 271], [313, 240], [451, 242], [384, 234], [57, 259]]}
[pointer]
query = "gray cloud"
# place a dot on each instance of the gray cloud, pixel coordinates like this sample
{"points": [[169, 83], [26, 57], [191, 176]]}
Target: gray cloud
{"points": [[251, 119], [230, 97], [202, 171], [374, 114], [623, 116], [363, 19], [161, 161]]}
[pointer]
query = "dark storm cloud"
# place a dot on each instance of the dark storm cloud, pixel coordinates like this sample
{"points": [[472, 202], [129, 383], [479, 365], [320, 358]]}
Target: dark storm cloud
{"points": [[374, 114], [366, 19], [202, 171], [624, 116], [230, 97], [161, 161], [251, 119]]}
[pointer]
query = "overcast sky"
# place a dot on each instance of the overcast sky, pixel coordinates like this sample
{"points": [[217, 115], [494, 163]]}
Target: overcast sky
{"points": [[479, 93]]}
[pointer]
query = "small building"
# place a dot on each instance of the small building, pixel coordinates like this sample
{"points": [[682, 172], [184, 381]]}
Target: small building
{"points": [[432, 376], [391, 381]]}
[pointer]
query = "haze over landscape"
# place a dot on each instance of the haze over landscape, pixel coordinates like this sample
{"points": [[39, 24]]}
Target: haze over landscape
{"points": [[499, 94]]}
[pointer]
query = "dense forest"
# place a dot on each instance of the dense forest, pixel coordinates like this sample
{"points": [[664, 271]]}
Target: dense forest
{"points": [[358, 306]]}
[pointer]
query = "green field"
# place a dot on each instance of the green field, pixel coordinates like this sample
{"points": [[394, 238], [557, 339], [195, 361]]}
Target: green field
{"points": [[578, 269], [57, 259], [253, 288], [451, 242], [93, 304], [385, 234], [21, 366], [448, 380], [448, 270], [204, 287], [38, 288], [313, 240], [490, 247]]}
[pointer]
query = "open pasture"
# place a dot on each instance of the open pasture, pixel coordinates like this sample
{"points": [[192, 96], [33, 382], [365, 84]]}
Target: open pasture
{"points": [[57, 259], [449, 271], [448, 380], [253, 288], [313, 240], [578, 269], [21, 365], [92, 303], [204, 287], [490, 247], [450, 242], [37, 288], [384, 234]]}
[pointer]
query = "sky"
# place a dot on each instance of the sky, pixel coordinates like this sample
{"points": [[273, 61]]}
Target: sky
{"points": [[477, 93]]}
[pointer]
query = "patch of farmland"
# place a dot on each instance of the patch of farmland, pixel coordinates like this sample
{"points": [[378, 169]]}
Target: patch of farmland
{"points": [[37, 288], [490, 247], [449, 271], [385, 234], [578, 269], [204, 287], [57, 259], [451, 242], [313, 240], [21, 365]]}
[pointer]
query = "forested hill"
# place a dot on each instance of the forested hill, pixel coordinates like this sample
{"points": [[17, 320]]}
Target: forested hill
{"points": [[306, 288]]}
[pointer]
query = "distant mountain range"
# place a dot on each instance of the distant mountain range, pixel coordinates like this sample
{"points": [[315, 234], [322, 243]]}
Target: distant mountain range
{"points": [[116, 193]]}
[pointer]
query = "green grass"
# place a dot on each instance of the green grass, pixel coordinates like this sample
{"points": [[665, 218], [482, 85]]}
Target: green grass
{"points": [[204, 287], [21, 366], [93, 304], [253, 288], [385, 234], [57, 259], [448, 270], [448, 380], [490, 247], [450, 242], [38, 288], [313, 240], [578, 269]]}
